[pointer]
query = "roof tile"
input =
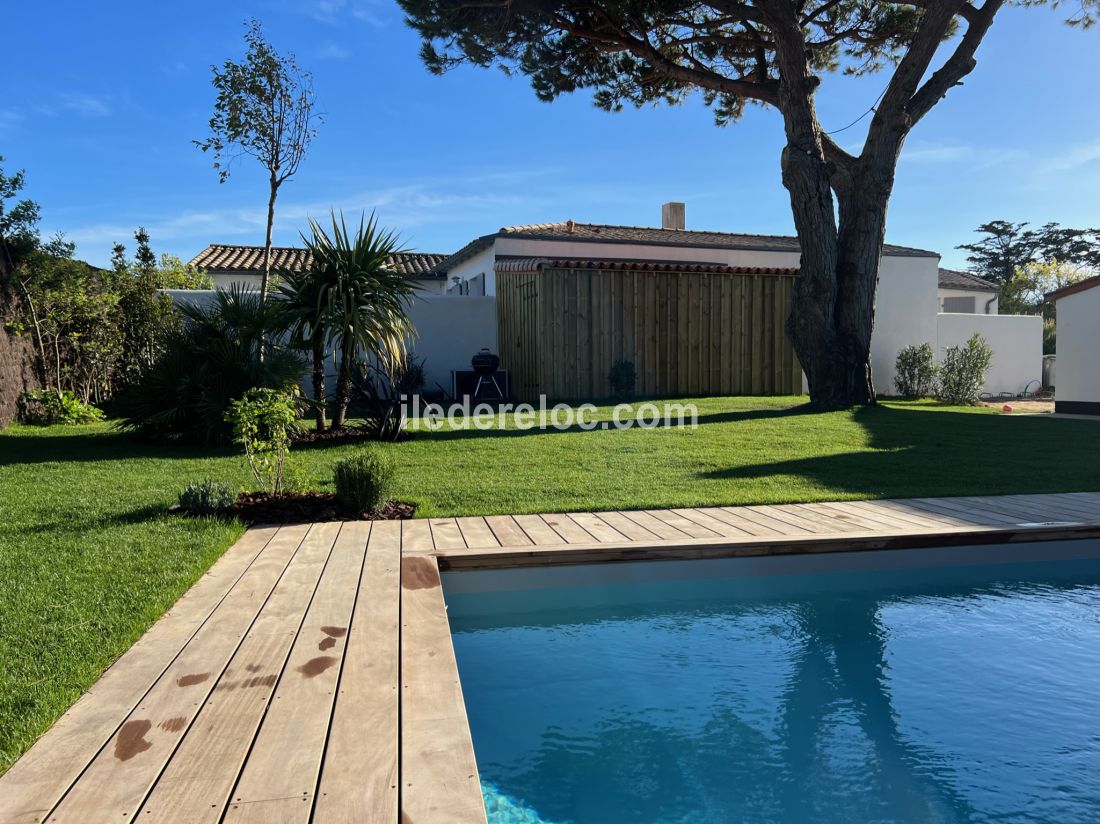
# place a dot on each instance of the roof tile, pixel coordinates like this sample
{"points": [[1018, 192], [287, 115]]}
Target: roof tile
{"points": [[229, 258]]}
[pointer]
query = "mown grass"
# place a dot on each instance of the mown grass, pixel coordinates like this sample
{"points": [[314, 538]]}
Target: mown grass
{"points": [[89, 559]]}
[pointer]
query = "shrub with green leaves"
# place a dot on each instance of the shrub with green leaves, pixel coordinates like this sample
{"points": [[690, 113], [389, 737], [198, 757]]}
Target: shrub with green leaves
{"points": [[45, 407], [206, 498], [263, 422], [364, 482], [915, 370], [962, 372]]}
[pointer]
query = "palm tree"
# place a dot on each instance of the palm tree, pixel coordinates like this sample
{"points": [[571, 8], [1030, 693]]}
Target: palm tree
{"points": [[303, 312], [365, 300]]}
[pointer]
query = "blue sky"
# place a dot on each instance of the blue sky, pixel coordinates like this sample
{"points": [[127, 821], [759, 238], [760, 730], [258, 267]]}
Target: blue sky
{"points": [[106, 99]]}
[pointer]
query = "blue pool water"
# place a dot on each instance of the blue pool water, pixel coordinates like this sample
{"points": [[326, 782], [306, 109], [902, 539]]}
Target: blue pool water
{"points": [[957, 694]]}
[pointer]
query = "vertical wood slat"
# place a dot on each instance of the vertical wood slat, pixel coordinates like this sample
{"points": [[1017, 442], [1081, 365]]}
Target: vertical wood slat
{"points": [[687, 333]]}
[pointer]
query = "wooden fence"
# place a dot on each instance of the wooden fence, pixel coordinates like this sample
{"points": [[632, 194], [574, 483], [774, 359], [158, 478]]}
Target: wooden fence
{"points": [[687, 333]]}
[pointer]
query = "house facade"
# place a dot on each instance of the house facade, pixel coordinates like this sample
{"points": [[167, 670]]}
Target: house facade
{"points": [[964, 293], [1077, 386], [907, 304]]}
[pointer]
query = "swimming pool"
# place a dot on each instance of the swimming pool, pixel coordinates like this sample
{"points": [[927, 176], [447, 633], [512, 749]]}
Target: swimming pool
{"points": [[855, 688]]}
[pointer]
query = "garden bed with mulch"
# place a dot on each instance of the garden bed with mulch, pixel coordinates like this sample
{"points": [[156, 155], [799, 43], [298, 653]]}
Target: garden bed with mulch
{"points": [[340, 437], [310, 507]]}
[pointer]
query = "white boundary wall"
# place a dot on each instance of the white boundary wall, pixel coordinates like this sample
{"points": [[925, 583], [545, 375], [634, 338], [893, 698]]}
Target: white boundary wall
{"points": [[450, 331], [1016, 340]]}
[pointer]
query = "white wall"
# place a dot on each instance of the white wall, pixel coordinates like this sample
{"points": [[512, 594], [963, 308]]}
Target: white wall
{"points": [[450, 331], [479, 264], [1079, 347], [985, 303], [1016, 340], [905, 313]]}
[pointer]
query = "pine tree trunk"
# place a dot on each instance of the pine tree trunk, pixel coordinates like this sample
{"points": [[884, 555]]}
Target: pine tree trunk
{"points": [[319, 382]]}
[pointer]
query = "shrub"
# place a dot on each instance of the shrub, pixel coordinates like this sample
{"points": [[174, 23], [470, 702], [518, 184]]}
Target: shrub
{"points": [[209, 361], [962, 373], [44, 407], [206, 498], [364, 482], [622, 378], [916, 371], [263, 421]]}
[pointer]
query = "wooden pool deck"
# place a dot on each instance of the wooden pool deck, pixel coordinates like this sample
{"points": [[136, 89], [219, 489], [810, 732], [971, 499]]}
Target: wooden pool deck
{"points": [[310, 676]]}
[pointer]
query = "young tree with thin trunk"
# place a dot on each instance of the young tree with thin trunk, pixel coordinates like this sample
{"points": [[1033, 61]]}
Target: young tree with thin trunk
{"points": [[769, 52], [264, 109]]}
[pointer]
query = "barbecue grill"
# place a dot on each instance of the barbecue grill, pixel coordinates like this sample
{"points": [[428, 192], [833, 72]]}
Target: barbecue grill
{"points": [[485, 365]]}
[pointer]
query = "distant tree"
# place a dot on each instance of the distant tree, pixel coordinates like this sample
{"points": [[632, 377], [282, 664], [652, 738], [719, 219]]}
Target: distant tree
{"points": [[264, 109], [145, 259], [768, 52], [18, 223], [1006, 248]]}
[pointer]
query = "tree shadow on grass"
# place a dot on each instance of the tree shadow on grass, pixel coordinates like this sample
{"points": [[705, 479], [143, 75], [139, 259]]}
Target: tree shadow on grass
{"points": [[916, 453], [701, 420], [82, 525], [26, 448]]}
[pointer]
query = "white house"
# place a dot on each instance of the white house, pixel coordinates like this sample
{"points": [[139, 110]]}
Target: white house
{"points": [[229, 264], [907, 295], [917, 301], [1077, 389], [962, 292]]}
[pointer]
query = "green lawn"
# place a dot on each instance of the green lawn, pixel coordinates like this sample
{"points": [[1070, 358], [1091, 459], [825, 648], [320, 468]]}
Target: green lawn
{"points": [[88, 559]]}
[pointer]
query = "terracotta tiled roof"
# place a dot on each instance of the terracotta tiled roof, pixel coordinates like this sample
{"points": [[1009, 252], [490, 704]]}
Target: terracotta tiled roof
{"points": [[229, 258], [954, 279], [617, 264], [650, 236]]}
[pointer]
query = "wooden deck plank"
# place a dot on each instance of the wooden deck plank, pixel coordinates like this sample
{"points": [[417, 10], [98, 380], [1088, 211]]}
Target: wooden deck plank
{"points": [[844, 520], [708, 521], [38, 780], [728, 516], [416, 536], [118, 778], [195, 786], [627, 527], [911, 513], [1062, 503], [476, 532], [570, 531], [764, 516], [805, 516], [1025, 510], [975, 515], [881, 513], [681, 523], [285, 759], [664, 531], [506, 530], [446, 534], [359, 774], [598, 528], [538, 531], [439, 778]]}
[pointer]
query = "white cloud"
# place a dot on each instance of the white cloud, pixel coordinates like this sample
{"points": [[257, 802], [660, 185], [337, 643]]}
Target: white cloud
{"points": [[372, 12], [1068, 159], [333, 51], [84, 104]]}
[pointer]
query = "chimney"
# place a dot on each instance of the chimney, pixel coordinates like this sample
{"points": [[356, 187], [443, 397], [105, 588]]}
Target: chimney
{"points": [[672, 216]]}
